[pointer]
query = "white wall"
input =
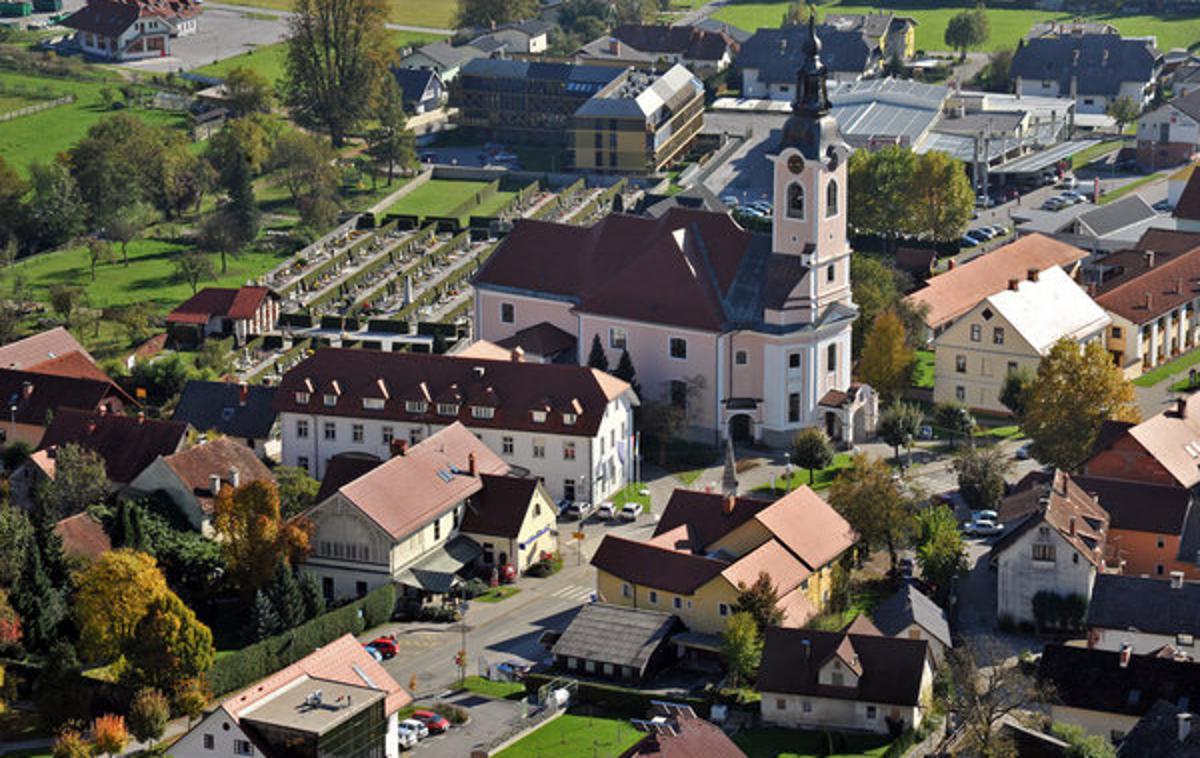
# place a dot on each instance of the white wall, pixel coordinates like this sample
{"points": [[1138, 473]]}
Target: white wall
{"points": [[223, 729], [831, 713], [1019, 577]]}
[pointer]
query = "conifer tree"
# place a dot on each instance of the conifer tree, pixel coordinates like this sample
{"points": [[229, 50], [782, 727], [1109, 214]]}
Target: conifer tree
{"points": [[597, 358], [314, 598], [263, 621], [286, 597]]}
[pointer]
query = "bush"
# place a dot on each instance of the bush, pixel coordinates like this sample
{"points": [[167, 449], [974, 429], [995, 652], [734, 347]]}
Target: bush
{"points": [[454, 714], [1055, 612], [474, 587]]}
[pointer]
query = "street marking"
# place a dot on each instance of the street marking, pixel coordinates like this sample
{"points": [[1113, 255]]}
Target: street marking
{"points": [[573, 592]]}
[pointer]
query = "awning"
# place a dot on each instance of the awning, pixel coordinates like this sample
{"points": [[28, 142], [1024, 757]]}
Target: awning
{"points": [[438, 571]]}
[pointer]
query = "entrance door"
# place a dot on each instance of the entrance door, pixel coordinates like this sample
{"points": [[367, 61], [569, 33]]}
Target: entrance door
{"points": [[740, 428], [831, 423], [569, 490]]}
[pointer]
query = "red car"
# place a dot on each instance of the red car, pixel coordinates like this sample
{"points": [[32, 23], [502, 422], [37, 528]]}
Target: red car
{"points": [[435, 723], [386, 646]]}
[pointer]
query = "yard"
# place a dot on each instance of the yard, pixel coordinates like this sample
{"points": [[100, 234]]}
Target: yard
{"points": [[1164, 370], [268, 60], [437, 14], [1008, 25], [771, 742], [498, 690], [823, 477], [574, 735], [438, 197]]}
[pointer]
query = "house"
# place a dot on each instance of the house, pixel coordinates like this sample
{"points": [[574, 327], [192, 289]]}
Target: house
{"points": [[122, 30], [1145, 615], [442, 57], [910, 614], [710, 24], [639, 123], [838, 680], [241, 313], [616, 642], [769, 60], [422, 89], [1160, 450], [193, 478], [569, 425], [707, 545], [405, 520], [35, 399], [1186, 79], [1186, 213], [1091, 68], [126, 444], [1170, 133], [334, 694], [1057, 546], [50, 352], [607, 50], [917, 262], [953, 293], [530, 37], [747, 333], [1166, 731], [1106, 692], [540, 343], [240, 411], [1109, 226], [702, 51], [82, 536], [894, 36], [1008, 331], [676, 731]]}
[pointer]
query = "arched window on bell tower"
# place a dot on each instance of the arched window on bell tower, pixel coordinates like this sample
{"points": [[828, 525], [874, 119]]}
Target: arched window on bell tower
{"points": [[795, 201], [831, 198]]}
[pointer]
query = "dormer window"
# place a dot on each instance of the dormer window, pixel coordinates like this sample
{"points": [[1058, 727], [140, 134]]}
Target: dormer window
{"points": [[330, 400], [302, 398], [539, 417], [415, 406], [795, 201], [482, 411], [570, 418], [373, 403], [447, 409]]}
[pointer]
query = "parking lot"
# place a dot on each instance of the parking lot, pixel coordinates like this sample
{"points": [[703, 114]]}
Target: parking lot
{"points": [[487, 718]]}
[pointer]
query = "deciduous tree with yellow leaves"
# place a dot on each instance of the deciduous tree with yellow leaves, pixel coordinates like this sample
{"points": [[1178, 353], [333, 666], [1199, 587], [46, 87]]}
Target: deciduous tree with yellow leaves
{"points": [[111, 597], [255, 536], [887, 360]]}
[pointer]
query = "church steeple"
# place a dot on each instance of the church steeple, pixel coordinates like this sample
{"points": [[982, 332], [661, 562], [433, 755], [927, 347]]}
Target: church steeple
{"points": [[811, 129]]}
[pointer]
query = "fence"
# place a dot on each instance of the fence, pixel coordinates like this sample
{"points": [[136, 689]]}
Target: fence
{"points": [[29, 110]]}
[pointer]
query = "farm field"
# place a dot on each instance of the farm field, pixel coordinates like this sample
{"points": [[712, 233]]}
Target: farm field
{"points": [[1008, 25], [435, 14], [268, 60]]}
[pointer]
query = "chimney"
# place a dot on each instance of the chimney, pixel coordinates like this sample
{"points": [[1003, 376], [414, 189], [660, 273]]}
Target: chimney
{"points": [[518, 355], [243, 392], [614, 45], [1126, 654], [214, 484], [1181, 407], [1184, 722], [728, 505], [953, 264], [399, 448], [141, 417], [1149, 259], [471, 463], [1032, 274], [1012, 284], [26, 389], [235, 478], [1071, 526], [1176, 580]]}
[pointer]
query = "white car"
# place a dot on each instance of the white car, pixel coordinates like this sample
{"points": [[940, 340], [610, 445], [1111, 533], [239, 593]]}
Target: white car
{"points": [[416, 727], [630, 511], [408, 737], [982, 528], [606, 511], [985, 515]]}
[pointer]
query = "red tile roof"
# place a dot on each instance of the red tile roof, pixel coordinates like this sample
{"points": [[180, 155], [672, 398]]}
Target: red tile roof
{"points": [[690, 737], [127, 444], [808, 526], [39, 348], [112, 17], [687, 41], [221, 456], [39, 395], [76, 363], [1064, 506], [216, 302], [1156, 290], [83, 535], [653, 566]]}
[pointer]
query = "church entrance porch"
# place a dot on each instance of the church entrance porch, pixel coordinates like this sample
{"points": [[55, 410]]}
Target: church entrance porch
{"points": [[850, 416]]}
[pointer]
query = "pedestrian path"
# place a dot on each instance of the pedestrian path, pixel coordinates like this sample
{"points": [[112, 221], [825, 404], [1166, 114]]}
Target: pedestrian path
{"points": [[574, 592]]}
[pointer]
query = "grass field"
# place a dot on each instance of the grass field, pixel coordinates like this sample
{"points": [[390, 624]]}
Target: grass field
{"points": [[147, 278], [572, 735], [791, 743], [268, 60], [824, 476], [13, 102], [1007, 24], [498, 690], [437, 14], [437, 197], [43, 135]]}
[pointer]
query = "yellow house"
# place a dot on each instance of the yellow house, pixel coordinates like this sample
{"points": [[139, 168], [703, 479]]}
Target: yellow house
{"points": [[512, 519], [707, 545]]}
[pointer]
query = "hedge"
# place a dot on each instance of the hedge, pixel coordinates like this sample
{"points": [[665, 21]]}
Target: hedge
{"points": [[618, 700], [251, 663]]}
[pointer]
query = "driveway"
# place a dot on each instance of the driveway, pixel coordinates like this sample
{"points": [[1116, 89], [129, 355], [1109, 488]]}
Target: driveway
{"points": [[488, 719], [223, 33]]}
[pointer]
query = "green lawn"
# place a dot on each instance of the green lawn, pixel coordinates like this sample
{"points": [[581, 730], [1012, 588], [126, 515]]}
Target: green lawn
{"points": [[268, 60], [1008, 25], [689, 477], [437, 197], [496, 594], [498, 690], [438, 14], [630, 494], [923, 375], [43, 135], [493, 205], [570, 735], [790, 743], [824, 477], [147, 278], [10, 102], [1084, 157], [1164, 370]]}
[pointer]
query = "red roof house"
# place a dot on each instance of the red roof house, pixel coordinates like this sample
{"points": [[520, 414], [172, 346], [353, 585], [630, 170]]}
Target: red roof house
{"points": [[244, 312], [131, 29]]}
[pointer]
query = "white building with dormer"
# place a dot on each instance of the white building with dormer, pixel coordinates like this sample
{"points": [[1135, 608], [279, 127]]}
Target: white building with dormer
{"points": [[748, 333]]}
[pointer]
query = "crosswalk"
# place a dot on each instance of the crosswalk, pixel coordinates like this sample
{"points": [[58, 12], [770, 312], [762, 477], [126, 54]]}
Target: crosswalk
{"points": [[574, 592]]}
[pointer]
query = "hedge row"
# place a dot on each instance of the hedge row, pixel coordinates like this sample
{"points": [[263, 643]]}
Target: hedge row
{"points": [[248, 665], [618, 700]]}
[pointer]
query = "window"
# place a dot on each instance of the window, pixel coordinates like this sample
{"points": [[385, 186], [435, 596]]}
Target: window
{"points": [[722, 609], [330, 400], [1043, 553], [302, 398], [1158, 569], [870, 711], [482, 411], [678, 393], [617, 338], [976, 332], [209, 742], [568, 451], [360, 589], [447, 409], [507, 313], [677, 602], [302, 429], [780, 704], [960, 364], [539, 417], [837, 678], [539, 447], [1012, 367], [330, 430], [654, 597], [625, 592], [740, 358], [795, 201], [415, 406], [1161, 543], [373, 403], [356, 432], [1185, 640], [506, 445], [437, 529], [414, 436], [831, 199], [793, 360], [794, 408], [387, 434], [678, 348], [998, 335], [831, 273], [1116, 332], [242, 747], [806, 706], [302, 462], [569, 419], [831, 357], [960, 393]]}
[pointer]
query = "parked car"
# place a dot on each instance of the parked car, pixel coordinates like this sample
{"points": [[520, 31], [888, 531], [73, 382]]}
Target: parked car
{"points": [[417, 727], [729, 200], [606, 511], [762, 206], [982, 528], [965, 241], [386, 646], [1162, 206], [1054, 204], [580, 509], [984, 201], [378, 656], [434, 722], [512, 670], [562, 506], [983, 231], [985, 515], [998, 230], [978, 236], [1068, 182], [630, 511], [408, 736]]}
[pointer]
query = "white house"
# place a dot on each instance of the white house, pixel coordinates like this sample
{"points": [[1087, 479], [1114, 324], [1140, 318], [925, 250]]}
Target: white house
{"points": [[1170, 133], [568, 425], [123, 31], [1091, 68]]}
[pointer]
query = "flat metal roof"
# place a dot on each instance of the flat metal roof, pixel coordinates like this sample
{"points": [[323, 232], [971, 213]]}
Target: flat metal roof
{"points": [[1045, 158]]}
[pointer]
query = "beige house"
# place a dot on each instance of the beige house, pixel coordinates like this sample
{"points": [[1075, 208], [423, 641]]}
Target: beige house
{"points": [[513, 520], [1009, 330]]}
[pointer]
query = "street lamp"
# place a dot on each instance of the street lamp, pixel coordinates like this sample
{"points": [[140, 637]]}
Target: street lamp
{"points": [[463, 607], [787, 473], [12, 434]]}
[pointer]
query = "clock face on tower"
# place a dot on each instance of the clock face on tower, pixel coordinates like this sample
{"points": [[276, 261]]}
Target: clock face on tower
{"points": [[795, 164]]}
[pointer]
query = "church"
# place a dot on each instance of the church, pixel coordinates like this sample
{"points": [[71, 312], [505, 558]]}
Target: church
{"points": [[748, 333]]}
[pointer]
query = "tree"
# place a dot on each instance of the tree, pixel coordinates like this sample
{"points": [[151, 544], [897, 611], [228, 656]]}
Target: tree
{"points": [[109, 735], [12, 189], [626, 372], [812, 449], [996, 76], [112, 596], [44, 520], [297, 490], [967, 29], [1082, 744], [100, 162], [660, 424], [16, 536], [741, 648], [982, 695], [64, 299], [169, 644], [99, 251], [633, 11], [1014, 394], [255, 536], [597, 358], [942, 200], [306, 166], [871, 500], [70, 744], [391, 143], [264, 622], [246, 141], [192, 267], [134, 318], [10, 628], [241, 211], [286, 597], [190, 697], [177, 177], [761, 601], [80, 480], [314, 597], [981, 476], [799, 12], [247, 91], [336, 59], [1074, 393], [149, 714], [39, 603], [880, 192], [887, 360], [221, 234], [875, 289], [488, 13], [1123, 110], [124, 227], [941, 552], [953, 418], [54, 212], [899, 425]]}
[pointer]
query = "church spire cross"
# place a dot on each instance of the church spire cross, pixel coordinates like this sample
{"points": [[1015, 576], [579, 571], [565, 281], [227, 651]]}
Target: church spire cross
{"points": [[812, 97]]}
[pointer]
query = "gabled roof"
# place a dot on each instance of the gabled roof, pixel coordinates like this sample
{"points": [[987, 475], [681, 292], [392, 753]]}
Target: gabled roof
{"points": [[737, 34], [414, 82], [83, 535], [687, 737], [39, 395], [41, 348], [1051, 308], [543, 339], [112, 17], [219, 302], [650, 565], [1188, 205], [1173, 439], [449, 56], [776, 54], [1099, 63], [408, 491], [128, 444], [892, 668], [342, 469], [499, 509], [1104, 220], [809, 527], [910, 606], [1062, 505], [220, 457], [1150, 606], [1140, 506], [954, 292], [615, 634], [245, 412], [686, 41], [1157, 734], [704, 517], [1189, 104], [1094, 680]]}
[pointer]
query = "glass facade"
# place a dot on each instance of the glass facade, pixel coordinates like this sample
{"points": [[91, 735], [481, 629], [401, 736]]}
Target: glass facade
{"points": [[360, 736]]}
